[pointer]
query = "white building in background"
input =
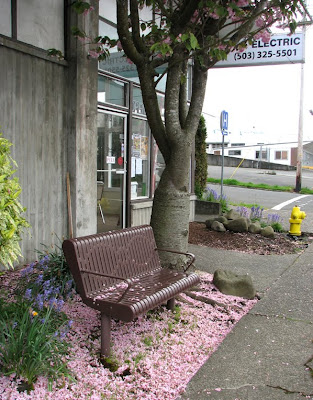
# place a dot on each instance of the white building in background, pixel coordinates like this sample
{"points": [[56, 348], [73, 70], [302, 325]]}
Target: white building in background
{"points": [[254, 146]]}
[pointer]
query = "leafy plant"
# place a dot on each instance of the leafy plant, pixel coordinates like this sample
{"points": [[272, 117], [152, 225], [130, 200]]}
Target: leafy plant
{"points": [[277, 227], [211, 195], [275, 221], [31, 341], [256, 213], [11, 221], [50, 276]]}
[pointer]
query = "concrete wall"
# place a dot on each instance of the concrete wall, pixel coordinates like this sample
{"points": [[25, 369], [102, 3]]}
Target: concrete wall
{"points": [[234, 162], [48, 110], [141, 211], [32, 116]]}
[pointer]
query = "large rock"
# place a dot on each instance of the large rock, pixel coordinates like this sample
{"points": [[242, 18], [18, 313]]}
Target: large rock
{"points": [[221, 219], [232, 284], [232, 214], [238, 225], [209, 222], [268, 232], [218, 226], [255, 227]]}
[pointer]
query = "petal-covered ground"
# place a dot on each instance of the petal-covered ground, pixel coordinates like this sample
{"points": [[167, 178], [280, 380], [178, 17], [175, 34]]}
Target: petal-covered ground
{"points": [[156, 355]]}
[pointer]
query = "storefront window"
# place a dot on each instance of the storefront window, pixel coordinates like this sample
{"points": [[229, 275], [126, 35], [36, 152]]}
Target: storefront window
{"points": [[138, 106], [111, 91], [161, 101], [39, 27], [140, 156], [5, 17]]}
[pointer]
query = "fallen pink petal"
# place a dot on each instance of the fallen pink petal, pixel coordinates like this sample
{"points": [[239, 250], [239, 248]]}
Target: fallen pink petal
{"points": [[157, 354]]}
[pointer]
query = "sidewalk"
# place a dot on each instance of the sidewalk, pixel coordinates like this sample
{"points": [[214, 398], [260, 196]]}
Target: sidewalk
{"points": [[267, 355]]}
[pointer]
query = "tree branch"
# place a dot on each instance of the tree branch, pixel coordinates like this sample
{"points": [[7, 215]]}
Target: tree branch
{"points": [[198, 92], [124, 34], [182, 16], [134, 16]]}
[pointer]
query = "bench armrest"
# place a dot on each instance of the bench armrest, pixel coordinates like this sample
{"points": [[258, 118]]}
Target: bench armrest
{"points": [[128, 281], [190, 255]]}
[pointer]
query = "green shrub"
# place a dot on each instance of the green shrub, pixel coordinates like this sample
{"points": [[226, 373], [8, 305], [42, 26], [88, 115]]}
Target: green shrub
{"points": [[51, 272], [211, 195], [277, 227], [31, 341], [11, 221], [201, 170]]}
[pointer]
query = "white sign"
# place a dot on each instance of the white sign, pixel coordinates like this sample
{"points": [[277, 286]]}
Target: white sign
{"points": [[281, 49], [110, 160]]}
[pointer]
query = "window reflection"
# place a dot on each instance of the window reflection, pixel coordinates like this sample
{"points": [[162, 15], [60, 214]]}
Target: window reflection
{"points": [[111, 91], [158, 166], [138, 106], [140, 156]]}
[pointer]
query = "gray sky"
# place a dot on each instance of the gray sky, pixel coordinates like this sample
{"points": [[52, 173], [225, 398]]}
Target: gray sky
{"points": [[263, 99]]}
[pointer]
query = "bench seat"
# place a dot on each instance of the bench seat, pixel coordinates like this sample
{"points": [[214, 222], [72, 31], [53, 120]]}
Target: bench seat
{"points": [[119, 274]]}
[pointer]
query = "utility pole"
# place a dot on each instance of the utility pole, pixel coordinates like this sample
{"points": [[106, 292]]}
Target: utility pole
{"points": [[300, 132]]}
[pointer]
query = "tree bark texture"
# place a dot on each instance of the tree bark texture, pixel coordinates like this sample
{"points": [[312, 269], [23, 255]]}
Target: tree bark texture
{"points": [[174, 136]]}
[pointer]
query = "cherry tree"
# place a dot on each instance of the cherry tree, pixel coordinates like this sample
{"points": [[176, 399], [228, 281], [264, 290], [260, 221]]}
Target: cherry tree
{"points": [[180, 33]]}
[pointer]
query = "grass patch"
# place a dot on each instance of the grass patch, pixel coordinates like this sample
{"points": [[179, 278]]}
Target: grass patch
{"points": [[234, 182], [247, 205]]}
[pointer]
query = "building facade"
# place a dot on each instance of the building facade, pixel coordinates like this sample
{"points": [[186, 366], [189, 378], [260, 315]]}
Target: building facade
{"points": [[86, 159]]}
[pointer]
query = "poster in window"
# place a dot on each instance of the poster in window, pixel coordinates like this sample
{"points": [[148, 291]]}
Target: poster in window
{"points": [[144, 147], [136, 145]]}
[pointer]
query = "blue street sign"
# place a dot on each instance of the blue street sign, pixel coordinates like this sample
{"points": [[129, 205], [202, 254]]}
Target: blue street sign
{"points": [[224, 121]]}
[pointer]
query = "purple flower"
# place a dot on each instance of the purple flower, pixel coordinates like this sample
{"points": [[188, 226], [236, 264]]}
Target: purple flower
{"points": [[28, 270], [40, 301], [44, 260], [28, 294]]}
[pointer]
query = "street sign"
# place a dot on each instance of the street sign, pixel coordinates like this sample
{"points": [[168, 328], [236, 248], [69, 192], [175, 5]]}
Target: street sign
{"points": [[224, 121], [280, 49]]}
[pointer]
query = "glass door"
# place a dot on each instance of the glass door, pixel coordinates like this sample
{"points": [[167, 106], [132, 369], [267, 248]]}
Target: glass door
{"points": [[111, 172]]}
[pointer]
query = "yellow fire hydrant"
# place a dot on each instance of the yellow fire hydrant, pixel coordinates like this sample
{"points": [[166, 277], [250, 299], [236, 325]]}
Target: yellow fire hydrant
{"points": [[295, 221]]}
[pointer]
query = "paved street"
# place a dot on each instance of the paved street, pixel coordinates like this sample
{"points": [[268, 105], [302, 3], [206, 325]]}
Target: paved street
{"points": [[282, 178], [280, 203]]}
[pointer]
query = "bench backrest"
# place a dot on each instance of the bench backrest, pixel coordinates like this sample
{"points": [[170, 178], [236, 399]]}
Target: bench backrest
{"points": [[126, 253]]}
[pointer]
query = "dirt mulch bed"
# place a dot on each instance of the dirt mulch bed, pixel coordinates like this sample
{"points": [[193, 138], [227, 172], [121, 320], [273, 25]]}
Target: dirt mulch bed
{"points": [[247, 242]]}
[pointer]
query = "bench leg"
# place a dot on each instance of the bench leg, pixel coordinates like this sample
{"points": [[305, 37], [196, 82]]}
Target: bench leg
{"points": [[171, 304], [105, 335]]}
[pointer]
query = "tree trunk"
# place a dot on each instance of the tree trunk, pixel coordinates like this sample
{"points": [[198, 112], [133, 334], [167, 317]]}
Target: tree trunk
{"points": [[171, 205]]}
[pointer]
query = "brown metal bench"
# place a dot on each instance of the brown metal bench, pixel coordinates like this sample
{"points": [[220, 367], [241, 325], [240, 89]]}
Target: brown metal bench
{"points": [[119, 273]]}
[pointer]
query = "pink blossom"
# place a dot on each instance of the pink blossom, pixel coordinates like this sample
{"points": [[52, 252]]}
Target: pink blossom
{"points": [[242, 3], [265, 36], [168, 40], [214, 15], [119, 45], [93, 54], [259, 22], [179, 37], [91, 8], [154, 369], [195, 17], [231, 12]]}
